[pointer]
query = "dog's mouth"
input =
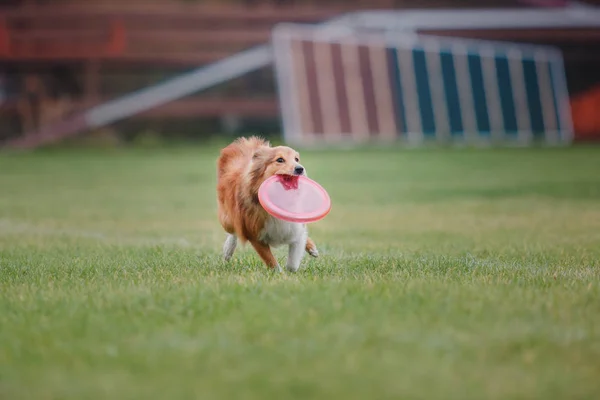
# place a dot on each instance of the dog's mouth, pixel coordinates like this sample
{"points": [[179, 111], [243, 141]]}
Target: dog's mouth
{"points": [[289, 177], [289, 181]]}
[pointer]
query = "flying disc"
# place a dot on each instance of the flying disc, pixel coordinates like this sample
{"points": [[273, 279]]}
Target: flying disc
{"points": [[294, 198]]}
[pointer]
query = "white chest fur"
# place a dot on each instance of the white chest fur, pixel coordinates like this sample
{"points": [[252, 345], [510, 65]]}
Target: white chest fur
{"points": [[277, 232]]}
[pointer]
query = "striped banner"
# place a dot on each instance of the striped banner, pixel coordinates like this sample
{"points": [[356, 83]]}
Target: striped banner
{"points": [[364, 88]]}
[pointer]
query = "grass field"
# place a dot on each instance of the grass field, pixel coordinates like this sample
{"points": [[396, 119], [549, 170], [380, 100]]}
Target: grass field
{"points": [[455, 274]]}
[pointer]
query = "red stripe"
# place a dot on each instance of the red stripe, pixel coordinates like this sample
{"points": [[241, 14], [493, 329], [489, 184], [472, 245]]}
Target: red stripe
{"points": [[313, 90], [340, 86], [368, 89]]}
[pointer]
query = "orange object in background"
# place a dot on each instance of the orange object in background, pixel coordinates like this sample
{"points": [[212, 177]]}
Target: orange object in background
{"points": [[585, 109]]}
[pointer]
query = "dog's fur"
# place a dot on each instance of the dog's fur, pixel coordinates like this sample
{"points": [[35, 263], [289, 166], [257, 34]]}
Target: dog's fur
{"points": [[241, 168]]}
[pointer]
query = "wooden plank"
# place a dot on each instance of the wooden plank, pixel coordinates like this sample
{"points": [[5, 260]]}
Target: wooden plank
{"points": [[59, 34], [185, 13], [53, 44], [207, 36], [160, 59], [266, 4], [156, 59], [195, 108], [154, 36]]}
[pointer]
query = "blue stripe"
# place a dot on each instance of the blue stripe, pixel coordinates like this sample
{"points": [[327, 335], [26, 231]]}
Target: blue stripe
{"points": [[534, 100], [555, 97], [424, 92], [478, 91], [451, 92], [397, 93], [509, 114]]}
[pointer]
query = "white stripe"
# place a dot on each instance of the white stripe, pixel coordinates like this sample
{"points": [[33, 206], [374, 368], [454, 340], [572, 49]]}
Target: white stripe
{"points": [[327, 89], [410, 96], [286, 90], [438, 98], [465, 92], [383, 92], [301, 80], [517, 78], [479, 19], [354, 92], [492, 93], [546, 97], [562, 99]]}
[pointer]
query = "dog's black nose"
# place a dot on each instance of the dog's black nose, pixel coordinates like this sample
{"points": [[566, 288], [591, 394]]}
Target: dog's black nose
{"points": [[298, 170]]}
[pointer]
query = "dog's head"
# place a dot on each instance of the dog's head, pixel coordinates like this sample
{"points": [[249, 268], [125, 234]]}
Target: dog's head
{"points": [[281, 160]]}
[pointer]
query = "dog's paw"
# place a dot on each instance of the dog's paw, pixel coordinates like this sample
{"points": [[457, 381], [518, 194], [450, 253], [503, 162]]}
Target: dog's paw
{"points": [[314, 252], [227, 256]]}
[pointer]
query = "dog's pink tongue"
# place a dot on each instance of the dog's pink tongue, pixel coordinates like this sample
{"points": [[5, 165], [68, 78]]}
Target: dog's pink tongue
{"points": [[289, 182]]}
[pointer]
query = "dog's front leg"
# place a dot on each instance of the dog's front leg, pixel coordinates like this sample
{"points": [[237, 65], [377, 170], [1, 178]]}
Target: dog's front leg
{"points": [[295, 254], [264, 251], [229, 246]]}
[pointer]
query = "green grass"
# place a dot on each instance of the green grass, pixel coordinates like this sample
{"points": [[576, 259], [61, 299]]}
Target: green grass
{"points": [[445, 274]]}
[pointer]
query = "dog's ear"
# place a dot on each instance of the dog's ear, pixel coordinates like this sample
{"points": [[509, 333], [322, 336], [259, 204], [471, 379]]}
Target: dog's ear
{"points": [[261, 154], [260, 161]]}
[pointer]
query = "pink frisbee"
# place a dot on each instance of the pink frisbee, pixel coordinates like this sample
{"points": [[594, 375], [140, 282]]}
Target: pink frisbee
{"points": [[294, 198]]}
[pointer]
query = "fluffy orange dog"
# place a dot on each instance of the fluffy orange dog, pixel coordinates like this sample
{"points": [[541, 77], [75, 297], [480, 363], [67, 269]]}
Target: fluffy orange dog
{"points": [[241, 168]]}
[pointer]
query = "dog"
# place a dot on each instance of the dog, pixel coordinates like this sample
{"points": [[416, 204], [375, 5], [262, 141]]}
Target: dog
{"points": [[241, 168]]}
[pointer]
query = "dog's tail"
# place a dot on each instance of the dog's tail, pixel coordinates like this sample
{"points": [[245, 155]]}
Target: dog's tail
{"points": [[238, 153]]}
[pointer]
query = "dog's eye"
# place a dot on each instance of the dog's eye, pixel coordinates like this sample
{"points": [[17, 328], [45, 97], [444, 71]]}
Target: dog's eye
{"points": [[280, 160], [297, 159]]}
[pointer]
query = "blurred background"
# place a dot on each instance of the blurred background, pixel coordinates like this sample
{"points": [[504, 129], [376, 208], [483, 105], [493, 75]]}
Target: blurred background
{"points": [[59, 58], [446, 272]]}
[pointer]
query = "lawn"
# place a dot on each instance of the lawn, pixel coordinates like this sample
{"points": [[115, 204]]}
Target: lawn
{"points": [[444, 274]]}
